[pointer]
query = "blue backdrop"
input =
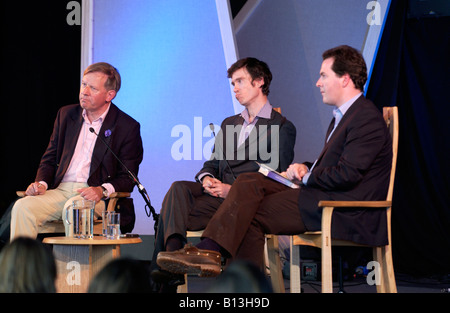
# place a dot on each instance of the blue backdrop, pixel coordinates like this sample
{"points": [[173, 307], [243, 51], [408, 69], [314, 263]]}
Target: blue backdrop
{"points": [[174, 82]]}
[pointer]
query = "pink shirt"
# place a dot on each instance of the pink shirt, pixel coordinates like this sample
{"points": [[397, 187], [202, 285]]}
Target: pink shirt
{"points": [[78, 170]]}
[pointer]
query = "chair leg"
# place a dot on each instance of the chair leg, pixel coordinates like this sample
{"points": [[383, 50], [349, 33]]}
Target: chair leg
{"points": [[383, 255], [295, 272], [183, 288], [388, 270], [276, 273], [327, 271]]}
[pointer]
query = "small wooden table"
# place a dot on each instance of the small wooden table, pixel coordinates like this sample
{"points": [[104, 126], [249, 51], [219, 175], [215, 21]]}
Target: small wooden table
{"points": [[79, 260]]}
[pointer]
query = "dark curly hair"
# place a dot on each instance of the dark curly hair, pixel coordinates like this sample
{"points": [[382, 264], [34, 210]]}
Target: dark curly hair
{"points": [[348, 60], [256, 69]]}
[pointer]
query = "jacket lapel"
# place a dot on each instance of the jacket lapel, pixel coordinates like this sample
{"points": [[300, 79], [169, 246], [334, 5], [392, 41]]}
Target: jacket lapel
{"points": [[345, 118], [325, 147]]}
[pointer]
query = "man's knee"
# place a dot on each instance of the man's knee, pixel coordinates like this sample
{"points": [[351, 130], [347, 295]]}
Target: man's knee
{"points": [[175, 189], [249, 176], [23, 213], [177, 186], [22, 207], [181, 190]]}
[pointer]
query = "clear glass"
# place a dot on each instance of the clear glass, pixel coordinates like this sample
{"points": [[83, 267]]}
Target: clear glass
{"points": [[113, 225]]}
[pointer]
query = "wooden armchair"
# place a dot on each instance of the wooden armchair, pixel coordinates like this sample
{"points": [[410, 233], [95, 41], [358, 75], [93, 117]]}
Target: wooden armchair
{"points": [[58, 226], [322, 239]]}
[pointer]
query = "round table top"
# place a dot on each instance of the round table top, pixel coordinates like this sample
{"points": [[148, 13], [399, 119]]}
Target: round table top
{"points": [[96, 240]]}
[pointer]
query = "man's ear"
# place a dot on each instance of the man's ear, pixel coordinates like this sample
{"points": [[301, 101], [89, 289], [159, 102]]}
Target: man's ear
{"points": [[110, 95], [259, 82], [346, 80]]}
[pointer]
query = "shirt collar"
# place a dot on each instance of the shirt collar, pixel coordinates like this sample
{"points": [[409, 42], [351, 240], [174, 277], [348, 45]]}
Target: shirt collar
{"points": [[265, 112], [343, 108], [100, 119]]}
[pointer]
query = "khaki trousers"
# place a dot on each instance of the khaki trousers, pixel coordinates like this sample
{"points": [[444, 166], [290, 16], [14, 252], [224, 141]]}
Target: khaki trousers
{"points": [[31, 212]]}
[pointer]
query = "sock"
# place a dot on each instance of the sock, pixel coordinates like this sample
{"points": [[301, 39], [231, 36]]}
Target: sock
{"points": [[209, 244], [174, 242]]}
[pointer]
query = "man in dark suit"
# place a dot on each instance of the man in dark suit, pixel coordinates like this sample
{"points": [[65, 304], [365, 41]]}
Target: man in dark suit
{"points": [[258, 134], [354, 164], [76, 164]]}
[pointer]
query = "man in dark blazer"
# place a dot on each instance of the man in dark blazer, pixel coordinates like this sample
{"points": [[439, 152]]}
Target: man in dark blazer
{"points": [[258, 134], [354, 164], [76, 164]]}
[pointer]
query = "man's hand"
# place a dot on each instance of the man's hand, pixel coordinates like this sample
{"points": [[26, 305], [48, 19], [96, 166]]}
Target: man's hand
{"points": [[35, 189], [215, 187], [91, 193], [295, 172]]}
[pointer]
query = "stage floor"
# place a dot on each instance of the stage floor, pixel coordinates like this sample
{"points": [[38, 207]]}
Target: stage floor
{"points": [[405, 284]]}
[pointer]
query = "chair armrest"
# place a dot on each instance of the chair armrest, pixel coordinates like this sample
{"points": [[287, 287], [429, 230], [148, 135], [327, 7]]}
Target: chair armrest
{"points": [[120, 194], [353, 204], [114, 197], [328, 209]]}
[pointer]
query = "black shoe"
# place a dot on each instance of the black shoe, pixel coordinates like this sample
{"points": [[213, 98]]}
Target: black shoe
{"points": [[167, 281], [164, 277]]}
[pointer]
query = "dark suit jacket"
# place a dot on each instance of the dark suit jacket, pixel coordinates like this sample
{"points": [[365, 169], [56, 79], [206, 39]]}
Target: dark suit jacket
{"points": [[125, 140], [355, 164], [259, 147]]}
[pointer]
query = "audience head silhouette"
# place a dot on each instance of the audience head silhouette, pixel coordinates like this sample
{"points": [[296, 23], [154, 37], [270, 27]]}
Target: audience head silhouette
{"points": [[122, 275], [27, 266]]}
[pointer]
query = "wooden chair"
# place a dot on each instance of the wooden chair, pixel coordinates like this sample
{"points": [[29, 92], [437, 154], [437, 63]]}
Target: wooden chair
{"points": [[322, 239], [58, 225]]}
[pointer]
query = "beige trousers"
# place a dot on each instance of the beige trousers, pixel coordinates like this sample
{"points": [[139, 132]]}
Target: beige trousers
{"points": [[31, 212]]}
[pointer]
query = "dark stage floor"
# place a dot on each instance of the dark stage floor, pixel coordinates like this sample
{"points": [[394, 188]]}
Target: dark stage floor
{"points": [[405, 284]]}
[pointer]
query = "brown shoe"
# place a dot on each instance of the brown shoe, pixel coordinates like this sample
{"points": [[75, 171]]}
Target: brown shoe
{"points": [[191, 260]]}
